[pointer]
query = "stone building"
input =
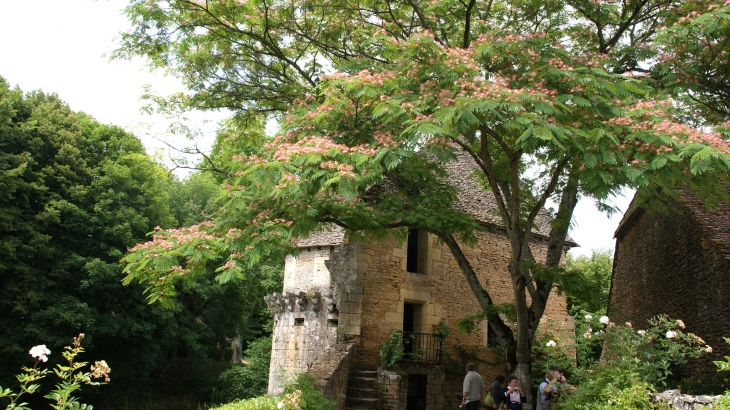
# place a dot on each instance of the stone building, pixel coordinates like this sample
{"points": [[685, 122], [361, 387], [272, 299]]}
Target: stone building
{"points": [[339, 292], [676, 263]]}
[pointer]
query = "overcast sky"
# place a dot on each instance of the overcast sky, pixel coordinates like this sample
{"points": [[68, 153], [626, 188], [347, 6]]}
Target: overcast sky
{"points": [[60, 46]]}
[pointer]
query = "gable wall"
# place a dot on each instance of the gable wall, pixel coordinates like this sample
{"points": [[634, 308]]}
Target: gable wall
{"points": [[664, 265]]}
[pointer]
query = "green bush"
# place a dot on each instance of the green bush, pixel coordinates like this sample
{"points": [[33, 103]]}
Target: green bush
{"points": [[634, 363], [391, 351], [244, 382], [256, 403], [299, 395], [311, 398]]}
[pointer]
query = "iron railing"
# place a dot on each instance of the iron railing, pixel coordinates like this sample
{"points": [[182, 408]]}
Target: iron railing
{"points": [[421, 347]]}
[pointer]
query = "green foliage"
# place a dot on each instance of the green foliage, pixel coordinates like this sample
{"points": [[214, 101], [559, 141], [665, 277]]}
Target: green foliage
{"points": [[71, 376], [300, 394], [547, 99], [76, 194], [551, 348], [256, 403], [251, 380], [442, 330], [311, 397], [194, 199], [391, 351], [469, 324], [723, 366], [634, 363], [586, 282]]}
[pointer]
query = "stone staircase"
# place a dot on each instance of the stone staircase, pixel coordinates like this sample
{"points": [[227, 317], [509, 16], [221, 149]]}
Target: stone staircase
{"points": [[362, 391]]}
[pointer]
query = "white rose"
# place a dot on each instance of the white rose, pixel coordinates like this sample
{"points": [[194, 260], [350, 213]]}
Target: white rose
{"points": [[671, 334], [551, 343], [40, 352], [604, 320], [641, 332], [589, 317]]}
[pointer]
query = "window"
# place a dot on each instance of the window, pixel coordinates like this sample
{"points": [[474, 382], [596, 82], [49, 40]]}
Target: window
{"points": [[492, 338], [417, 256], [299, 321]]}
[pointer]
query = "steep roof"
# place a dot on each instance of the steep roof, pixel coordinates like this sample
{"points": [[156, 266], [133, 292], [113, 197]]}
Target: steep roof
{"points": [[714, 223], [472, 199]]}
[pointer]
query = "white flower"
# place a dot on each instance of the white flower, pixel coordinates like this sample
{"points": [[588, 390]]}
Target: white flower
{"points": [[551, 343], [40, 352], [589, 317], [587, 334], [680, 324], [641, 332], [708, 349], [671, 334], [280, 405], [604, 320]]}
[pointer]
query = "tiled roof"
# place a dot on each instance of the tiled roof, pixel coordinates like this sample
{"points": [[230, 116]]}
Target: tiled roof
{"points": [[472, 199], [330, 235], [715, 222]]}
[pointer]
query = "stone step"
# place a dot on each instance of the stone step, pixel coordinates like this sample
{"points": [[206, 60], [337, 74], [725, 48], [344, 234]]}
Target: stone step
{"points": [[361, 392], [366, 373], [363, 402], [363, 382]]}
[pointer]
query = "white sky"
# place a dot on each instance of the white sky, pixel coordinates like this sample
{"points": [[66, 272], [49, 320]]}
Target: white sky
{"points": [[59, 46]]}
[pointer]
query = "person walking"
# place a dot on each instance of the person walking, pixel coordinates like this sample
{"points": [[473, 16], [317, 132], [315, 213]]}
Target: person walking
{"points": [[473, 386]]}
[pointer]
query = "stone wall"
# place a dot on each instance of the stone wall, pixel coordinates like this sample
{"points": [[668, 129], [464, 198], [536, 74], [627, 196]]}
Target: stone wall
{"points": [[442, 293], [674, 399], [393, 389], [358, 292], [664, 264], [331, 372], [304, 317]]}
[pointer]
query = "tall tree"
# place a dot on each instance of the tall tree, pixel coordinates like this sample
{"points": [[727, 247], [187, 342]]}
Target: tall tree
{"points": [[74, 196], [551, 100]]}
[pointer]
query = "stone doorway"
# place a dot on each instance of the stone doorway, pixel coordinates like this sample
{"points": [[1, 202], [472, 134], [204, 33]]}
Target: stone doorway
{"points": [[417, 396], [412, 321]]}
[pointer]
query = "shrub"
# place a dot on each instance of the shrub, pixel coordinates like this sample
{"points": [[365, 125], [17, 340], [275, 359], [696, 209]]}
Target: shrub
{"points": [[299, 395], [244, 382], [634, 363], [71, 376], [311, 398], [391, 351]]}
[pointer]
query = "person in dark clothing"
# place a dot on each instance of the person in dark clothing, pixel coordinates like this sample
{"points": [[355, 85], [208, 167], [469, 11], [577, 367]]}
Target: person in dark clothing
{"points": [[513, 394], [496, 391]]}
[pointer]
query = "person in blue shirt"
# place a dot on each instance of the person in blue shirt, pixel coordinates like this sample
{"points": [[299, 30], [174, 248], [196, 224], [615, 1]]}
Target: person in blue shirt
{"points": [[548, 389]]}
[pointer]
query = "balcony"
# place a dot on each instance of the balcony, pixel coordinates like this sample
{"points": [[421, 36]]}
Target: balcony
{"points": [[421, 348]]}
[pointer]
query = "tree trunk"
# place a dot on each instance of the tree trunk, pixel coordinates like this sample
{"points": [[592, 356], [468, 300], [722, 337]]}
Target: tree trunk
{"points": [[237, 349]]}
